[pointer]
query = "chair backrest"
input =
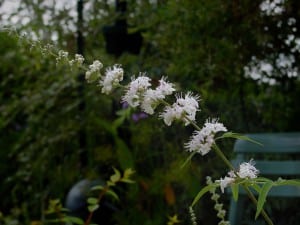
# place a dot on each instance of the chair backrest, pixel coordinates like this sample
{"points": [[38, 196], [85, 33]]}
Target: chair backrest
{"points": [[276, 156]]}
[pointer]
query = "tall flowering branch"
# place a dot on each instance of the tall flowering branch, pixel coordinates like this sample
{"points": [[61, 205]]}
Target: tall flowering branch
{"points": [[138, 93]]}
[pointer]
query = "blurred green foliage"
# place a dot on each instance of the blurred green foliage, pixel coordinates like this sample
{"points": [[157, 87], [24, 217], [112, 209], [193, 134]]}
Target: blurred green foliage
{"points": [[201, 45]]}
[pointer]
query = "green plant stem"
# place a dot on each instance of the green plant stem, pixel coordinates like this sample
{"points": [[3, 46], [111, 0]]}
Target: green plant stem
{"points": [[254, 200], [222, 156]]}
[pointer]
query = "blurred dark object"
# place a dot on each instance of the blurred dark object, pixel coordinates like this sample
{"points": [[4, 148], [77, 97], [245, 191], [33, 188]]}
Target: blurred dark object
{"points": [[76, 202], [117, 38]]}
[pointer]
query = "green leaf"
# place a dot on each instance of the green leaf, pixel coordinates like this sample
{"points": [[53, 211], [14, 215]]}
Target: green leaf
{"points": [[124, 154], [92, 201], [202, 192], [128, 172], [238, 136], [256, 187], [97, 188], [93, 208], [235, 191], [116, 176], [109, 183], [188, 160], [262, 197], [127, 181], [74, 219], [113, 194], [293, 182]]}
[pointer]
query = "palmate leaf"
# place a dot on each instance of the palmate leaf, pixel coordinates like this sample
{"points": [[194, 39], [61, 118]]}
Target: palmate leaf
{"points": [[262, 197]]}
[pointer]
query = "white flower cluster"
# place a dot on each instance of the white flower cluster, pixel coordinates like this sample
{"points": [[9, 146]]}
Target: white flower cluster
{"points": [[93, 73], [202, 140], [136, 89], [152, 98], [113, 76], [193, 216], [246, 170], [139, 93], [184, 109], [62, 56], [77, 61], [111, 79]]}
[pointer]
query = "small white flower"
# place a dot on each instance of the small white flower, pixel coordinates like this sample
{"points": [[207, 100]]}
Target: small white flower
{"points": [[94, 71], [247, 170], [189, 106], [225, 182], [136, 90], [221, 214], [78, 60], [213, 126], [152, 98], [150, 101], [113, 76], [170, 114], [164, 87], [183, 109], [62, 56], [202, 140]]}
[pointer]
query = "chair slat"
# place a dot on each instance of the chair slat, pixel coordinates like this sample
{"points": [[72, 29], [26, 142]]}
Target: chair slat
{"points": [[271, 143]]}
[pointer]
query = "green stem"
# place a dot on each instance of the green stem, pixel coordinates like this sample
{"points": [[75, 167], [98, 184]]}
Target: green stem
{"points": [[254, 200], [222, 156]]}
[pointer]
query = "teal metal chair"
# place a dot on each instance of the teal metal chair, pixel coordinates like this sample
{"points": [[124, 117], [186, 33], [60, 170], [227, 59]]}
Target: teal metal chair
{"points": [[274, 158]]}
